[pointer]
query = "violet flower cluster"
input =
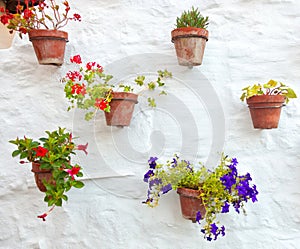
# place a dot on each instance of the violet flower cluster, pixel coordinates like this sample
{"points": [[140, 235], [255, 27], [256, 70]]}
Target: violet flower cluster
{"points": [[220, 188]]}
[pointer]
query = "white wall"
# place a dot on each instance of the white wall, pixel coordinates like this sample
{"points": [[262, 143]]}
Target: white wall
{"points": [[250, 41]]}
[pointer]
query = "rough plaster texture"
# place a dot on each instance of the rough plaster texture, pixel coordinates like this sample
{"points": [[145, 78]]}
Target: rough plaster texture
{"points": [[250, 41]]}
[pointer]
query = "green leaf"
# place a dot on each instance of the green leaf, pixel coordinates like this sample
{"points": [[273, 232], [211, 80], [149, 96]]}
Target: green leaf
{"points": [[16, 153], [151, 102], [78, 184]]}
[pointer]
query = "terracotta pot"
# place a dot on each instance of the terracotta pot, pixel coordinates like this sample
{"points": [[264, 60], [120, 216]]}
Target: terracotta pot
{"points": [[190, 45], [40, 175], [190, 203], [49, 45], [265, 110], [121, 109]]}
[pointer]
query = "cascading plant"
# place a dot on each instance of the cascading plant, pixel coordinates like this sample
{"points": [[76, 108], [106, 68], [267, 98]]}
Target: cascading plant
{"points": [[219, 188]]}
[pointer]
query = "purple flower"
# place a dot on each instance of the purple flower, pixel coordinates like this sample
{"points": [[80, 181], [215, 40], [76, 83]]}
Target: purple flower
{"points": [[228, 181], [223, 231], [198, 217], [225, 208], [214, 228], [153, 182], [234, 161], [148, 175], [167, 188], [152, 162]]}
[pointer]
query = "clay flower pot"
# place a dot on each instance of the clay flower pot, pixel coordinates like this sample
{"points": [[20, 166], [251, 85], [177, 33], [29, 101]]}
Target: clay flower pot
{"points": [[121, 109], [190, 203], [190, 45], [40, 175], [265, 110], [49, 45]]}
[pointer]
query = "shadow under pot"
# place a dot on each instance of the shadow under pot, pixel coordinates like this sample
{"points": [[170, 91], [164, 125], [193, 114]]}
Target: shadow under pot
{"points": [[265, 110]]}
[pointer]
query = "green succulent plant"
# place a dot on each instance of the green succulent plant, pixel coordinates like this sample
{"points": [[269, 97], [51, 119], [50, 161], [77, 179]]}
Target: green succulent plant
{"points": [[192, 18]]}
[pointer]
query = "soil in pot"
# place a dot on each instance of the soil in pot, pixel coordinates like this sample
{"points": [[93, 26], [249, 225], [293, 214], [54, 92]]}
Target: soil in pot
{"points": [[265, 110], [190, 203], [121, 109]]}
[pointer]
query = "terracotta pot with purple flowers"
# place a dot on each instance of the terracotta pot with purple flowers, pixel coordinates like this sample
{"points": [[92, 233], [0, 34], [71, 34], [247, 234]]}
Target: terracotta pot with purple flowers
{"points": [[51, 163], [207, 192]]}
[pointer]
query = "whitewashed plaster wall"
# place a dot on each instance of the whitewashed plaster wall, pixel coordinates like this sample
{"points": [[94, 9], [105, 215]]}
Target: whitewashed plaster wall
{"points": [[250, 41]]}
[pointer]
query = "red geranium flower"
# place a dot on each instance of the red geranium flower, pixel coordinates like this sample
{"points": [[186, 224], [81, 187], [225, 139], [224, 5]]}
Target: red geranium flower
{"points": [[78, 89], [40, 151], [101, 104], [77, 17], [76, 59], [73, 75]]}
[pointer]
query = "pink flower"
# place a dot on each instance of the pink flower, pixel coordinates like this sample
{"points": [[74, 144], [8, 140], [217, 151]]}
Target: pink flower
{"points": [[74, 171], [43, 216], [76, 59], [83, 148]]}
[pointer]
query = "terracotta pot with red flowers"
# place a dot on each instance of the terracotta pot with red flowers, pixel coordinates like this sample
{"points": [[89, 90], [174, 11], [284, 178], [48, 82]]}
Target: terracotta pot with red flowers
{"points": [[51, 163], [190, 37], [42, 23], [265, 102], [89, 88]]}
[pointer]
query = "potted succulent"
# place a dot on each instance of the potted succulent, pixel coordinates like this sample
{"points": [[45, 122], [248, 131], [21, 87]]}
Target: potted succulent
{"points": [[265, 102], [51, 163], [42, 23], [190, 37], [89, 88], [204, 193]]}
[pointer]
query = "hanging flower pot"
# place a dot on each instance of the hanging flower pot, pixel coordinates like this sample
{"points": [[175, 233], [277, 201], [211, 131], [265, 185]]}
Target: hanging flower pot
{"points": [[265, 110], [41, 175], [42, 23], [190, 45], [190, 37], [121, 109], [190, 203], [49, 45], [265, 102]]}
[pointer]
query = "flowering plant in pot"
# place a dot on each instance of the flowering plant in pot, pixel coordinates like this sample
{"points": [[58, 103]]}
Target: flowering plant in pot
{"points": [[51, 162], [204, 193], [190, 37], [265, 102], [42, 23], [89, 88]]}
